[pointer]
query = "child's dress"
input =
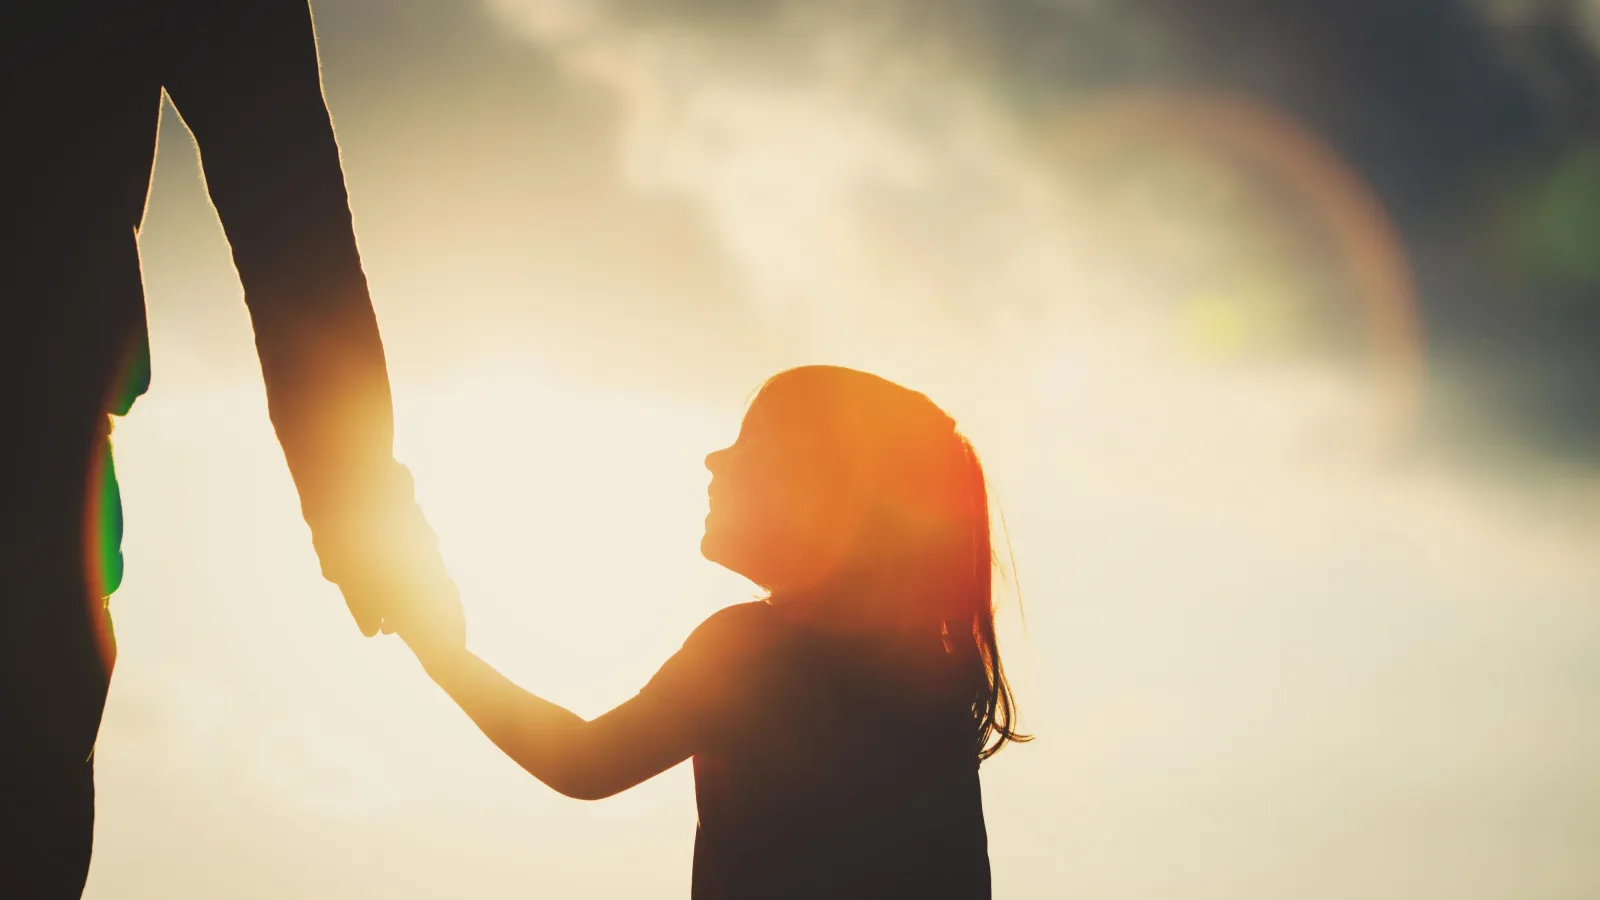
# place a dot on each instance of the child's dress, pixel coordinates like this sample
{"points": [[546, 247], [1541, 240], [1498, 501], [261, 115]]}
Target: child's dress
{"points": [[815, 775]]}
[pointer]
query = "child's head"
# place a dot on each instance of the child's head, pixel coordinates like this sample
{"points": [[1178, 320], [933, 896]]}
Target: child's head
{"points": [[848, 490]]}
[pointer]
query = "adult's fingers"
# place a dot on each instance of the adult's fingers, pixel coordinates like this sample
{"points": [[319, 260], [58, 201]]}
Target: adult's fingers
{"points": [[361, 609]]}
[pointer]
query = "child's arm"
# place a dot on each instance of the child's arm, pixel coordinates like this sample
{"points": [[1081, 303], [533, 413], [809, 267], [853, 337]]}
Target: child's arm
{"points": [[587, 760]]}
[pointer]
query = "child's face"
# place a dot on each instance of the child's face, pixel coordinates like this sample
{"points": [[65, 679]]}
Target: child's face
{"points": [[775, 515]]}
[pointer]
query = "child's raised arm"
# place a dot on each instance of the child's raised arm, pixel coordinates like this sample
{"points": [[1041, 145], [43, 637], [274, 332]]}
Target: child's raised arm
{"points": [[586, 760], [688, 702]]}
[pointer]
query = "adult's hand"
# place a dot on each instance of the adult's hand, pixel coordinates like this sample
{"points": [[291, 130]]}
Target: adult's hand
{"points": [[408, 592], [385, 559]]}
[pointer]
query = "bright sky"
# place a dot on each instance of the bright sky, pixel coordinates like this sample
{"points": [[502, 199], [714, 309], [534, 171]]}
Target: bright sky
{"points": [[1270, 649]]}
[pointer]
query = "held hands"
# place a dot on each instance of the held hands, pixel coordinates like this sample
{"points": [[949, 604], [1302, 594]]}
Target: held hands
{"points": [[385, 559], [433, 626], [409, 586]]}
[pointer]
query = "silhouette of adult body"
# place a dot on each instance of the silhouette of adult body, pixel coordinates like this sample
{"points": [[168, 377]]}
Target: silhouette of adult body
{"points": [[80, 93]]}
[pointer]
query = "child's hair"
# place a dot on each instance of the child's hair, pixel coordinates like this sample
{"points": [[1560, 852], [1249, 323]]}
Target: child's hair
{"points": [[912, 507]]}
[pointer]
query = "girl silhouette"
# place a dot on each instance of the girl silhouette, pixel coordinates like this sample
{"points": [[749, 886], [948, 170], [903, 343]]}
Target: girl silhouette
{"points": [[836, 727]]}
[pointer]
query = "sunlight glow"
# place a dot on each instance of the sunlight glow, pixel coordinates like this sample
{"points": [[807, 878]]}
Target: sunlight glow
{"points": [[571, 518]]}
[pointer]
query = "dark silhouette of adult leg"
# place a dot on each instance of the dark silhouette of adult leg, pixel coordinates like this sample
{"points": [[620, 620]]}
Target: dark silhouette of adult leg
{"points": [[55, 656], [56, 694]]}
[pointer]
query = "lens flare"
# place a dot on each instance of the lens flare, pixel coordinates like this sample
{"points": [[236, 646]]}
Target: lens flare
{"points": [[102, 547], [1316, 176]]}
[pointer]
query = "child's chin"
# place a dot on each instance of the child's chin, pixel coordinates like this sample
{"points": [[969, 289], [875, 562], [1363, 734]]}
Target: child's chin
{"points": [[714, 547]]}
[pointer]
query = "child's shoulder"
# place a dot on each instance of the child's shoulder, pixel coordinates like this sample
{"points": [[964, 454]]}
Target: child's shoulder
{"points": [[736, 631], [733, 636], [741, 620]]}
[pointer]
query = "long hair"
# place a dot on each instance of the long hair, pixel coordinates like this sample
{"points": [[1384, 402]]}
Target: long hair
{"points": [[910, 513], [994, 706]]}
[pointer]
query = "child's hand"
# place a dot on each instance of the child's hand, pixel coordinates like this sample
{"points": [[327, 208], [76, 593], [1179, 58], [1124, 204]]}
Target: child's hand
{"points": [[433, 628]]}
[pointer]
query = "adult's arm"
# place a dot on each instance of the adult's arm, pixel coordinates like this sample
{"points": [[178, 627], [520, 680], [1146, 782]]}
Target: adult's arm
{"points": [[245, 76]]}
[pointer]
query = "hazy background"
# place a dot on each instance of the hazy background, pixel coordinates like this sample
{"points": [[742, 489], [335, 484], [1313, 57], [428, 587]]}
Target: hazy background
{"points": [[1275, 322]]}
